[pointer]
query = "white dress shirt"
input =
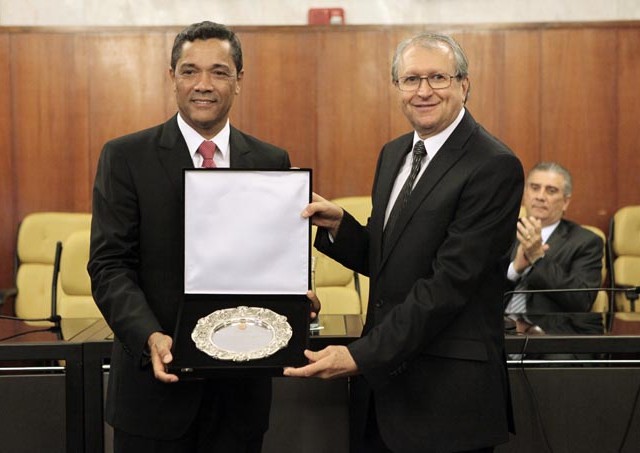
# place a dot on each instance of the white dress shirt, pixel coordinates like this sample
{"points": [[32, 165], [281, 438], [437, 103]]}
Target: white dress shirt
{"points": [[222, 156], [432, 145]]}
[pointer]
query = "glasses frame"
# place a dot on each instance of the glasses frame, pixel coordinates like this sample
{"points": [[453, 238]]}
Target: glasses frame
{"points": [[449, 78]]}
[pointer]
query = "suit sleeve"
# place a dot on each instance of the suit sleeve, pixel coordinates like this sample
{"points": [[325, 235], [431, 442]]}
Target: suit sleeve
{"points": [[351, 244], [114, 255], [582, 269]]}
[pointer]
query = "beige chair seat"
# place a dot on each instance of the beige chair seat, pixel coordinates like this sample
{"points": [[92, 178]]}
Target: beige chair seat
{"points": [[74, 299], [601, 303], [626, 247], [37, 237], [334, 285], [360, 208]]}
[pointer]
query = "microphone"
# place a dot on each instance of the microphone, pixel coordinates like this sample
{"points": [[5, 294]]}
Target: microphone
{"points": [[55, 317], [632, 291]]}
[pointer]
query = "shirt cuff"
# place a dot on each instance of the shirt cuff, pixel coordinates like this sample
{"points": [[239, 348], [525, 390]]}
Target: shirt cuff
{"points": [[513, 275]]}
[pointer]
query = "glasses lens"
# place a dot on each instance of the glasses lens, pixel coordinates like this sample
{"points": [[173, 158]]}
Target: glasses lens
{"points": [[439, 81], [408, 83], [435, 81]]}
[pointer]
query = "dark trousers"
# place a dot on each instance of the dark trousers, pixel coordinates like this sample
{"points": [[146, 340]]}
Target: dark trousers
{"points": [[210, 432], [373, 443]]}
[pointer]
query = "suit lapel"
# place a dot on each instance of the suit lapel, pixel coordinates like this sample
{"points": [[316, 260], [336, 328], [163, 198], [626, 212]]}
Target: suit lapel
{"points": [[173, 154], [392, 159], [557, 239], [389, 171], [241, 155], [450, 153]]}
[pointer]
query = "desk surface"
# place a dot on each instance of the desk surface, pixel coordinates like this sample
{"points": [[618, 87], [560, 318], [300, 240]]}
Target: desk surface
{"points": [[341, 329], [72, 329], [87, 344]]}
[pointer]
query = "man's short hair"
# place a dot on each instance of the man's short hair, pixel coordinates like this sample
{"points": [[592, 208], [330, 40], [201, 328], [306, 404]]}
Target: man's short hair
{"points": [[432, 40], [207, 30], [556, 168]]}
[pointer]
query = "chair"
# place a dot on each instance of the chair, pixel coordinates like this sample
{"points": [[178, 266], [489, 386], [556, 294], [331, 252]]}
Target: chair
{"points": [[340, 290], [625, 242], [359, 207], [334, 285], [38, 234], [523, 212], [73, 297], [601, 303]]}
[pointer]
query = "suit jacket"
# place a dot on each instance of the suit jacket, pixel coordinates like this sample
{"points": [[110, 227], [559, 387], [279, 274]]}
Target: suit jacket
{"points": [[137, 277], [432, 349], [574, 260]]}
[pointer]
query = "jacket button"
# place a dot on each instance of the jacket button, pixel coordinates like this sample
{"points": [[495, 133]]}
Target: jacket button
{"points": [[379, 303]]}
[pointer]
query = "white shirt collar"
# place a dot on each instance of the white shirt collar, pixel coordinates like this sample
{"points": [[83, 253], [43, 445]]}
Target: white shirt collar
{"points": [[547, 231], [194, 139], [433, 144]]}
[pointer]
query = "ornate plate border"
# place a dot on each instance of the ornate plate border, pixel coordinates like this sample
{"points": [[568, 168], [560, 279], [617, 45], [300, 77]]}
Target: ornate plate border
{"points": [[205, 328]]}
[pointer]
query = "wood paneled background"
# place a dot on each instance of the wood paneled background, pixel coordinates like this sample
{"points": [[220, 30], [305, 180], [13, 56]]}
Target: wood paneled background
{"points": [[565, 92]]}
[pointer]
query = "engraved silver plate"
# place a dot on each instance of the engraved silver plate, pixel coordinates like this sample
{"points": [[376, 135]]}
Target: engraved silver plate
{"points": [[241, 333]]}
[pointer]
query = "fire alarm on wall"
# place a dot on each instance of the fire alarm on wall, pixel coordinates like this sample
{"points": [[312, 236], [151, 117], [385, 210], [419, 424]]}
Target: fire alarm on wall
{"points": [[333, 16]]}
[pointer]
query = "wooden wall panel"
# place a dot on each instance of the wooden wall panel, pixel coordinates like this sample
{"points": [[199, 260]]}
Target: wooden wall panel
{"points": [[78, 155], [7, 182], [278, 101], [627, 157], [398, 123], [170, 106], [579, 116], [519, 122], [352, 108], [128, 85], [50, 135], [550, 91], [486, 66]]}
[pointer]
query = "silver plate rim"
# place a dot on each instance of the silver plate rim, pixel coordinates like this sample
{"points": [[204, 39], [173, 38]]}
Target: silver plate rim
{"points": [[207, 325]]}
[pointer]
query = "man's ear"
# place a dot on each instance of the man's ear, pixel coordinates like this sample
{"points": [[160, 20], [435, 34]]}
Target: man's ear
{"points": [[172, 77], [239, 82], [567, 200]]}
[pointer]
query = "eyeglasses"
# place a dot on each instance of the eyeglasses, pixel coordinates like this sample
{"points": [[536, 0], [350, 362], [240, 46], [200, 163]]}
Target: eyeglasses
{"points": [[436, 81]]}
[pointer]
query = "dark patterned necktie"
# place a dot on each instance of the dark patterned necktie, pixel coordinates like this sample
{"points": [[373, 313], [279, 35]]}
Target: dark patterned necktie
{"points": [[419, 152], [207, 149]]}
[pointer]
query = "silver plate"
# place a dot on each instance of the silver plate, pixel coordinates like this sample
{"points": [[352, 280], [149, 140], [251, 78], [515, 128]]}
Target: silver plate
{"points": [[241, 333]]}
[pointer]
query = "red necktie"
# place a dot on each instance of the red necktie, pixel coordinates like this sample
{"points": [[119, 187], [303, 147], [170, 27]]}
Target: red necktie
{"points": [[207, 149]]}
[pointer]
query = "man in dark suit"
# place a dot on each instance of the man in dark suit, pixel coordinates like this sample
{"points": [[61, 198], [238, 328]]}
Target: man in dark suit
{"points": [[136, 256], [553, 253], [430, 365]]}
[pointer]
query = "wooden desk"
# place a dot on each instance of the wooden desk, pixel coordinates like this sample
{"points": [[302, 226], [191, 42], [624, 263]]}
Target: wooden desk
{"points": [[30, 357], [575, 407], [97, 338]]}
